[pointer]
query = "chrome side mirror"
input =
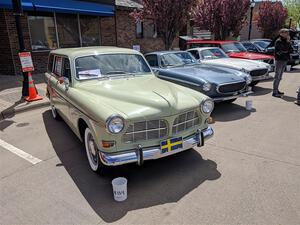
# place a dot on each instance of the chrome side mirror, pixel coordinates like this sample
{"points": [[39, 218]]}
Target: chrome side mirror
{"points": [[67, 83]]}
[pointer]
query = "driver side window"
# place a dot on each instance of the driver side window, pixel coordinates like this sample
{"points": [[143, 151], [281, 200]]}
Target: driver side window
{"points": [[195, 53]]}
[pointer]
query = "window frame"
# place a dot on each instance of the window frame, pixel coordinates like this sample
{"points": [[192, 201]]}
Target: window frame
{"points": [[142, 30]]}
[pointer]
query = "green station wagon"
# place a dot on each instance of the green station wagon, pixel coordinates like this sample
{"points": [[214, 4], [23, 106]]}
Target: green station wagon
{"points": [[122, 112]]}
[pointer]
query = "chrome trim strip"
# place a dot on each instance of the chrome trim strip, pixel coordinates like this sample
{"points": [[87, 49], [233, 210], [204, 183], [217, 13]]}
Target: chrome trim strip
{"points": [[263, 77], [151, 153]]}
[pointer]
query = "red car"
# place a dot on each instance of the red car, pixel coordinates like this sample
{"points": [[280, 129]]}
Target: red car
{"points": [[233, 49]]}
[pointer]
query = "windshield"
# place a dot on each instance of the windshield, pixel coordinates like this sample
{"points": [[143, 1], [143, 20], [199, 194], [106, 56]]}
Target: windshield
{"points": [[213, 54], [262, 44], [233, 47], [105, 65], [177, 59]]}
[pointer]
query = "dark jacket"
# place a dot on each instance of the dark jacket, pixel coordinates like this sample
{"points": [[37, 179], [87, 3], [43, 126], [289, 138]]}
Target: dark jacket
{"points": [[283, 48]]}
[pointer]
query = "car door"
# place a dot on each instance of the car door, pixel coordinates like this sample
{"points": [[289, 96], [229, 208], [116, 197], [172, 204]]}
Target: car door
{"points": [[59, 85]]}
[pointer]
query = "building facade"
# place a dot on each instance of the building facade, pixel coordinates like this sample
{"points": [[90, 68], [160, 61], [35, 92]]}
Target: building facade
{"points": [[49, 25]]}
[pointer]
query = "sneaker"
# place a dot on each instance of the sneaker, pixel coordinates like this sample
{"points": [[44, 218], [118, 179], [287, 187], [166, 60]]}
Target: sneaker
{"points": [[277, 95], [281, 93]]}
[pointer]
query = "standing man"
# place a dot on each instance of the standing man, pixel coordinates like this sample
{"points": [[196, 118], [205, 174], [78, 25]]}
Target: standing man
{"points": [[283, 49]]}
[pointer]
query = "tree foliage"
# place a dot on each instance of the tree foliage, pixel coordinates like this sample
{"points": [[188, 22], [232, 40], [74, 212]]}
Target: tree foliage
{"points": [[221, 17], [293, 7], [169, 16], [271, 18]]}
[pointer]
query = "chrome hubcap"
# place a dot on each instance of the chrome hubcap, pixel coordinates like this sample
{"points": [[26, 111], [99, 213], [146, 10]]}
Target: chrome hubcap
{"points": [[92, 149]]}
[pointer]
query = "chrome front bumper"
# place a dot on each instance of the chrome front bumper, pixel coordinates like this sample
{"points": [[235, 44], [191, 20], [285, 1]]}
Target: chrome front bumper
{"points": [[141, 154], [220, 99]]}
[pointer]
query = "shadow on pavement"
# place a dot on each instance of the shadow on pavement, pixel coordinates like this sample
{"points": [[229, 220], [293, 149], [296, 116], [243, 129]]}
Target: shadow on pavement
{"points": [[289, 98], [157, 182], [225, 112], [257, 90], [8, 81]]}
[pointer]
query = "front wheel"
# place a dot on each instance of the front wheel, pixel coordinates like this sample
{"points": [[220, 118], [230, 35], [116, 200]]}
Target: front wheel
{"points": [[253, 83], [92, 151]]}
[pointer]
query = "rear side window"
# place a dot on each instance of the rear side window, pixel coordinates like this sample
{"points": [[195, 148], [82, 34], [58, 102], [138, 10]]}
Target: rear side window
{"points": [[58, 65], [195, 53], [50, 63], [66, 68]]}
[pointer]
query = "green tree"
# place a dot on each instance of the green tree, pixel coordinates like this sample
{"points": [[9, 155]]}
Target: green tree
{"points": [[293, 7]]}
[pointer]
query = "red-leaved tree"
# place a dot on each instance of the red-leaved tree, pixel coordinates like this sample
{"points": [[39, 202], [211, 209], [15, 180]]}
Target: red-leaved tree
{"points": [[221, 17], [271, 18], [169, 16]]}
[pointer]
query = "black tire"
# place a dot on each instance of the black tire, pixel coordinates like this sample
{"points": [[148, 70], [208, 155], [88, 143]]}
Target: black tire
{"points": [[55, 114], [230, 101], [92, 151], [253, 83]]}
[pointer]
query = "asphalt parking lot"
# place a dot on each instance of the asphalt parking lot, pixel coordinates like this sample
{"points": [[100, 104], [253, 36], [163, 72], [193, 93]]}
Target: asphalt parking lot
{"points": [[249, 173]]}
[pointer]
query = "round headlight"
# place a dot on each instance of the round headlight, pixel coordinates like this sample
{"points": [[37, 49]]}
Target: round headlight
{"points": [[248, 79], [115, 124], [207, 106], [206, 86]]}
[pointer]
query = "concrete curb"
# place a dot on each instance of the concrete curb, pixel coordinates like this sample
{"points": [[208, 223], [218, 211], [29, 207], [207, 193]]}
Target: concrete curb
{"points": [[13, 111]]}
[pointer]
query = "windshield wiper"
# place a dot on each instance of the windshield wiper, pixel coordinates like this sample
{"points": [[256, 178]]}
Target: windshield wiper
{"points": [[115, 72]]}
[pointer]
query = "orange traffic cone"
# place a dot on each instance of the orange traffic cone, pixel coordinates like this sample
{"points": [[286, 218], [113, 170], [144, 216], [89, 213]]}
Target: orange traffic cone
{"points": [[33, 96]]}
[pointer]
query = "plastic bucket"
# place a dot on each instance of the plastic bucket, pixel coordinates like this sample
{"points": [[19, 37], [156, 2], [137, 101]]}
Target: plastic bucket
{"points": [[288, 68], [249, 105], [119, 189]]}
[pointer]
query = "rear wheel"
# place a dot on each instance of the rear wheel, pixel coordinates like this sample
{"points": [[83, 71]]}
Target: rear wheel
{"points": [[92, 151], [230, 101], [55, 114]]}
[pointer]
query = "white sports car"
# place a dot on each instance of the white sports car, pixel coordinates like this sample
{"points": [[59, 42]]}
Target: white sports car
{"points": [[217, 57]]}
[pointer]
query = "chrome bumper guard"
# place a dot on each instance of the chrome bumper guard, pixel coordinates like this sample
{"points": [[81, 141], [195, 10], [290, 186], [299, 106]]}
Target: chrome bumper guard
{"points": [[220, 99], [141, 154]]}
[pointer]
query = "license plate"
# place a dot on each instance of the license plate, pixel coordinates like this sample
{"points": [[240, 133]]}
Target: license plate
{"points": [[171, 144]]}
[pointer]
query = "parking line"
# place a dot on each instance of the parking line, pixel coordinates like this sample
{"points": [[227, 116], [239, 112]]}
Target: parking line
{"points": [[33, 160]]}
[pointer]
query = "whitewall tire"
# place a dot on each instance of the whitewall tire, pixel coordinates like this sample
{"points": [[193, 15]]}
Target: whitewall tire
{"points": [[92, 151]]}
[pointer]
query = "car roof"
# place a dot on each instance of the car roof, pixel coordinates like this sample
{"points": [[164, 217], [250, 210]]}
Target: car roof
{"points": [[261, 39], [163, 52], [200, 41], [95, 50]]}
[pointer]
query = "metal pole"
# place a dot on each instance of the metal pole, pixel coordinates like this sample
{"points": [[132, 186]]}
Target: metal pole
{"points": [[250, 24], [290, 24], [17, 13]]}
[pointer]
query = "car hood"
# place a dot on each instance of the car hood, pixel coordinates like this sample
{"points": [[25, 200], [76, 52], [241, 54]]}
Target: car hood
{"points": [[249, 55], [141, 97], [238, 64], [212, 74]]}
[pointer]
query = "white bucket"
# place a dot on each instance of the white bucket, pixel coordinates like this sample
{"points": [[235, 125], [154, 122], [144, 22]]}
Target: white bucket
{"points": [[120, 189], [249, 105], [288, 68]]}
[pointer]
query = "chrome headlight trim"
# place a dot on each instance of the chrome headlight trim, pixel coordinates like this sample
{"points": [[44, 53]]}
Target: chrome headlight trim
{"points": [[115, 124], [207, 106]]}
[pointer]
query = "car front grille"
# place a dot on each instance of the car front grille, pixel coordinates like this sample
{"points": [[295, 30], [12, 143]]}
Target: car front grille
{"points": [[295, 57], [260, 72], [146, 130], [185, 121], [232, 87]]}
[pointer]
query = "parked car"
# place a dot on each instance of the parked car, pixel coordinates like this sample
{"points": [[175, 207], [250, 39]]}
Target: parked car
{"points": [[219, 83], [233, 49], [258, 47], [266, 46], [122, 112], [217, 57]]}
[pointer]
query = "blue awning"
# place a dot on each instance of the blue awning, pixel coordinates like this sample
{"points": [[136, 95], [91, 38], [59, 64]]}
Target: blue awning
{"points": [[26, 4], [64, 6]]}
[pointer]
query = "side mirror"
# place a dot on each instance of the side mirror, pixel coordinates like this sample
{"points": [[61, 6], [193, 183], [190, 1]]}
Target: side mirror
{"points": [[67, 83]]}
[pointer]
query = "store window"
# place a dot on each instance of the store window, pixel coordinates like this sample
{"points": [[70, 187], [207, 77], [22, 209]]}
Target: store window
{"points": [[90, 30], [68, 32], [42, 31]]}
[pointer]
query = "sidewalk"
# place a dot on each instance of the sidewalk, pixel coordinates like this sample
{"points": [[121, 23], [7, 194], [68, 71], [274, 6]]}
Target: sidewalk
{"points": [[11, 101]]}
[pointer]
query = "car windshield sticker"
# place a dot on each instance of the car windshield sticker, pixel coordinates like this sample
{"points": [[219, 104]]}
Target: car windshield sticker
{"points": [[88, 74]]}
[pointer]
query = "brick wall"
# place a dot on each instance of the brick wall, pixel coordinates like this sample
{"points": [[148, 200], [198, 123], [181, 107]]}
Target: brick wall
{"points": [[6, 61], [107, 30]]}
